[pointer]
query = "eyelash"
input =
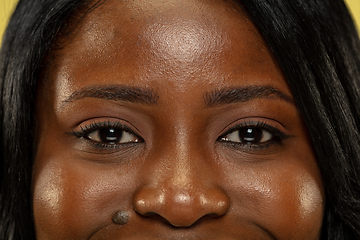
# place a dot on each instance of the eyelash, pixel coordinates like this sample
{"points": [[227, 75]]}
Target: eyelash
{"points": [[277, 136], [85, 131]]}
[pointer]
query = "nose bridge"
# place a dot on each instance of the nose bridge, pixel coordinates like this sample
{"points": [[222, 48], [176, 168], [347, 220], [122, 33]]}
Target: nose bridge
{"points": [[172, 165], [184, 164], [181, 162], [180, 185], [177, 156]]}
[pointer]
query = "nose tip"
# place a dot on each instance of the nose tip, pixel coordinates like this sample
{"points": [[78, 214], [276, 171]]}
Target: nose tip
{"points": [[181, 209]]}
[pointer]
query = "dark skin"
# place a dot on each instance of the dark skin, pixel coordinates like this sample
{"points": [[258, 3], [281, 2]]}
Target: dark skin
{"points": [[176, 113]]}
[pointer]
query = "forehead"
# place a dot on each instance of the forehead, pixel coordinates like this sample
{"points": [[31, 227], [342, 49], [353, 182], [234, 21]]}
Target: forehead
{"points": [[180, 27], [161, 43]]}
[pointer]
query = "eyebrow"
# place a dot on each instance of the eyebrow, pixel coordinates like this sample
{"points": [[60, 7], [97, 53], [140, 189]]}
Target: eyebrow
{"points": [[243, 94], [115, 93]]}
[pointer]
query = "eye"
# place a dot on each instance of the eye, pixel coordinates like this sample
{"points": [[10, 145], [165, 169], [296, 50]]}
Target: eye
{"points": [[112, 136], [107, 134], [254, 135], [248, 135]]}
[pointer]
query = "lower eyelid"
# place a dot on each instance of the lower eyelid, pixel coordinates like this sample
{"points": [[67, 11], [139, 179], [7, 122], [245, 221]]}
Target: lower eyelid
{"points": [[95, 149], [249, 148]]}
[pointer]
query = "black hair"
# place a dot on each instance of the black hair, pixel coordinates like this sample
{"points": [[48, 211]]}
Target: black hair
{"points": [[315, 43]]}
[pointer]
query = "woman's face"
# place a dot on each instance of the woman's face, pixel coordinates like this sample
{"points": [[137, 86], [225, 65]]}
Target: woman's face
{"points": [[176, 113]]}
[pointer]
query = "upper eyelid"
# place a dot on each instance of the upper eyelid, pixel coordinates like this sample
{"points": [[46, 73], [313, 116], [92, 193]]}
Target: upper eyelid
{"points": [[100, 125], [251, 121]]}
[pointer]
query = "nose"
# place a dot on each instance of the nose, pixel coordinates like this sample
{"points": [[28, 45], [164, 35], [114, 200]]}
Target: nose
{"points": [[181, 208], [181, 191]]}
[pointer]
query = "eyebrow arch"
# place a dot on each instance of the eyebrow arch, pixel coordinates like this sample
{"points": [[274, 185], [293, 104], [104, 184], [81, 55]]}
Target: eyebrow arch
{"points": [[243, 94], [115, 93]]}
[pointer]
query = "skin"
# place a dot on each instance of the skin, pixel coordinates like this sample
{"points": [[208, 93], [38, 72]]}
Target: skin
{"points": [[185, 174]]}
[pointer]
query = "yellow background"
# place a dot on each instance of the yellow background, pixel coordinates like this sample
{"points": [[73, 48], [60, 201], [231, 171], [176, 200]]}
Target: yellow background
{"points": [[7, 6]]}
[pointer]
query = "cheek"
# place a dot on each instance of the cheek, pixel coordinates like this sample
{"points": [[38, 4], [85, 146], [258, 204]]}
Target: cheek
{"points": [[286, 200], [72, 200]]}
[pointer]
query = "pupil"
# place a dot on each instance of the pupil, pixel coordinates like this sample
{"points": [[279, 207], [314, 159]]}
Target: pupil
{"points": [[110, 135], [250, 135]]}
